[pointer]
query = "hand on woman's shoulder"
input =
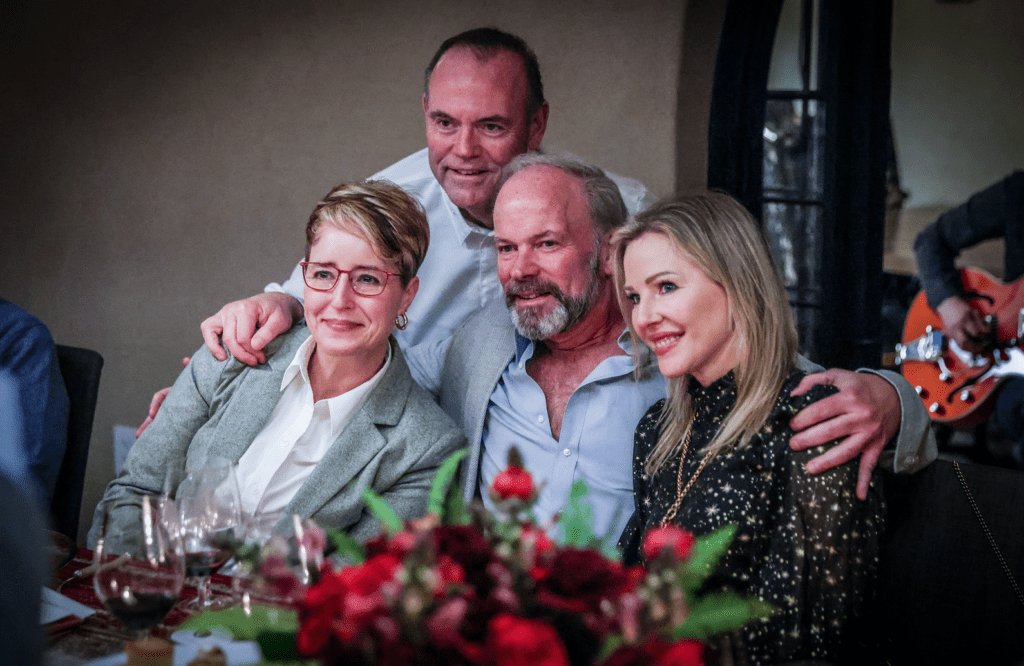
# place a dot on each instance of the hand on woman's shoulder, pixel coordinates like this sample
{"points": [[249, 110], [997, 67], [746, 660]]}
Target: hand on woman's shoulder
{"points": [[794, 403]]}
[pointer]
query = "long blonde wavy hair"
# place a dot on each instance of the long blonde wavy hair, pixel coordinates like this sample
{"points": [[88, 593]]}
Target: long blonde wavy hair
{"points": [[715, 232]]}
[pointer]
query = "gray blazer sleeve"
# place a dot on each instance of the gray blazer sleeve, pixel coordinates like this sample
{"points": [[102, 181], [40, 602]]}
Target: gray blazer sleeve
{"points": [[163, 447]]}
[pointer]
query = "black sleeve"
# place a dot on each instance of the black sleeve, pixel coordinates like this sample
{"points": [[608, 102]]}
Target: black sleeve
{"points": [[984, 216]]}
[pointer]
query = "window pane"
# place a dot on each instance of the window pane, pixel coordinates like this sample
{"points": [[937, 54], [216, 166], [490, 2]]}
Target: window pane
{"points": [[794, 235], [794, 148], [788, 55]]}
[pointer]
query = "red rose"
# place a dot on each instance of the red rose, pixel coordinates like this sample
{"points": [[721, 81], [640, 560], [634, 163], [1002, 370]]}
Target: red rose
{"points": [[536, 539], [400, 544], [344, 604], [317, 612], [367, 577], [518, 641], [512, 482], [687, 652], [466, 546], [448, 573], [671, 537], [579, 578]]}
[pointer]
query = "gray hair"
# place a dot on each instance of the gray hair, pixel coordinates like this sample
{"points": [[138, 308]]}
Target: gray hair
{"points": [[603, 198]]}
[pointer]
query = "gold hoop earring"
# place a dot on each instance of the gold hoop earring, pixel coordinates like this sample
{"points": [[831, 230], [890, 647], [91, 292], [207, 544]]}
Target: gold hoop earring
{"points": [[401, 321]]}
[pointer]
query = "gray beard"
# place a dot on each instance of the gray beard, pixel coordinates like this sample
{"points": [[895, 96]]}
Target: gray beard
{"points": [[568, 310]]}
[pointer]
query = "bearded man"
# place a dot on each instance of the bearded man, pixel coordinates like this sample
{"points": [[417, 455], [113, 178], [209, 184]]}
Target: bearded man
{"points": [[550, 370]]}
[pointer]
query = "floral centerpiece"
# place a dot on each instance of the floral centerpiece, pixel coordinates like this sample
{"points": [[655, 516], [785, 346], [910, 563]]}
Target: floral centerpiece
{"points": [[463, 587]]}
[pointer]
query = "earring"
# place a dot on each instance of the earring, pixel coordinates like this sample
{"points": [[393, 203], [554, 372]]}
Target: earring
{"points": [[401, 321]]}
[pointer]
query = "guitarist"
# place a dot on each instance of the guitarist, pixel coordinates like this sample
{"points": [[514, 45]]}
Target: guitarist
{"points": [[995, 212]]}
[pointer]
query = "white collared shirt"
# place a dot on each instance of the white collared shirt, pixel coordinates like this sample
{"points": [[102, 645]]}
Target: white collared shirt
{"points": [[295, 438]]}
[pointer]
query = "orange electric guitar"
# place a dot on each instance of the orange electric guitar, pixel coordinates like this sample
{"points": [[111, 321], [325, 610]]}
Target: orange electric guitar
{"points": [[955, 384]]}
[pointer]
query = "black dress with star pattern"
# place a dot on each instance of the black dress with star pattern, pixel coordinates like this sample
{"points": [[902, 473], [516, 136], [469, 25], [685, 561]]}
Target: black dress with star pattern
{"points": [[804, 543]]}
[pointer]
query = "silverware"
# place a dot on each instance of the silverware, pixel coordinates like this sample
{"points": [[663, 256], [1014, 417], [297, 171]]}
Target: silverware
{"points": [[91, 569]]}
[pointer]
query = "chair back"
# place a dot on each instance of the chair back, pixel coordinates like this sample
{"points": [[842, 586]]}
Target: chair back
{"points": [[943, 595], [80, 369]]}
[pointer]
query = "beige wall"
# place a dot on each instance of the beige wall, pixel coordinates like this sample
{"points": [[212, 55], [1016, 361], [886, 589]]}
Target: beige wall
{"points": [[957, 110], [160, 158], [957, 96]]}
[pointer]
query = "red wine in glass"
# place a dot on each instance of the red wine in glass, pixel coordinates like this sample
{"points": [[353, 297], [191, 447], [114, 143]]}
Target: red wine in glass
{"points": [[139, 562], [210, 513], [205, 563], [143, 610]]}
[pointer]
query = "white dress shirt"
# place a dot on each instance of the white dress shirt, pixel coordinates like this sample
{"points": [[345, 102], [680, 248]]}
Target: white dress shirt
{"points": [[296, 436]]}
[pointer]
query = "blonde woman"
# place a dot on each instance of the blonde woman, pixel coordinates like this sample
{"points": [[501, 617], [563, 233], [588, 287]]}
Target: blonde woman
{"points": [[697, 285]]}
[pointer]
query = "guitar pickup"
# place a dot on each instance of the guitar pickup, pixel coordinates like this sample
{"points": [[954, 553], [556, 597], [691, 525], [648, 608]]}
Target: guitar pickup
{"points": [[927, 348]]}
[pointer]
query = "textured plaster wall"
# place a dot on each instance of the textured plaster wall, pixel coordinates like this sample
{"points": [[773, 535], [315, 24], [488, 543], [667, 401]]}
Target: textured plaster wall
{"points": [[159, 159], [957, 96]]}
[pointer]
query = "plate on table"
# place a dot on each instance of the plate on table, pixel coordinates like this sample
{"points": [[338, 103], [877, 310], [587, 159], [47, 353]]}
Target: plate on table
{"points": [[187, 645], [55, 606]]}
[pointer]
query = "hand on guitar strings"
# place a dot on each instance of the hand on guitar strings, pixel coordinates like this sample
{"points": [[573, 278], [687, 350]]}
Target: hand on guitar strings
{"points": [[863, 417], [963, 323]]}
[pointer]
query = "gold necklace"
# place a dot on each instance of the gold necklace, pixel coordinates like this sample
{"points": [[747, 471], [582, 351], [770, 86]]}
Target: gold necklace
{"points": [[680, 490]]}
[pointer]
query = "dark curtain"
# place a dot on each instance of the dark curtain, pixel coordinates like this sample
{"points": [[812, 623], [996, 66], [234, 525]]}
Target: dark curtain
{"points": [[735, 147], [854, 79], [856, 75]]}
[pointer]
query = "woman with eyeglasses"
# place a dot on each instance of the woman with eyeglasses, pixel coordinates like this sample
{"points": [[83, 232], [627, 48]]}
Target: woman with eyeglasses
{"points": [[334, 409]]}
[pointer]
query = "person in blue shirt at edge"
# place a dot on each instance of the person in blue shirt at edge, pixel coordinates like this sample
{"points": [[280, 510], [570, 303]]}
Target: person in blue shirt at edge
{"points": [[28, 354], [481, 109], [22, 533]]}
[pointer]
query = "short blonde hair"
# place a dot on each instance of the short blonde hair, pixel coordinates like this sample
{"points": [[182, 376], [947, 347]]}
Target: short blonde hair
{"points": [[391, 220], [723, 240]]}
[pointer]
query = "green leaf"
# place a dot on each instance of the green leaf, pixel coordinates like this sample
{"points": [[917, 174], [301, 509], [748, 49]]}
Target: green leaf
{"points": [[707, 550], [346, 547], [576, 523], [454, 512], [381, 511], [277, 645], [443, 485], [611, 644], [272, 627], [246, 627], [720, 612]]}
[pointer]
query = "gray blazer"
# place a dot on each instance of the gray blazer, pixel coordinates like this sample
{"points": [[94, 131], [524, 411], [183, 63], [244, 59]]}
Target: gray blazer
{"points": [[479, 352], [482, 348], [394, 444]]}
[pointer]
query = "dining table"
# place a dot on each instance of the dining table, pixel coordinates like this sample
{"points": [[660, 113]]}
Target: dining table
{"points": [[74, 640]]}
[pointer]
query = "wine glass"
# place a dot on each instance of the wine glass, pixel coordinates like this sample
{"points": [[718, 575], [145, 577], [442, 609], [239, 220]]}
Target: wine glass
{"points": [[210, 514], [139, 573]]}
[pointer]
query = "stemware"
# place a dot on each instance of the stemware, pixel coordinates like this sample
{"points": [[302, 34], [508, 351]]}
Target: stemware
{"points": [[139, 573], [210, 514]]}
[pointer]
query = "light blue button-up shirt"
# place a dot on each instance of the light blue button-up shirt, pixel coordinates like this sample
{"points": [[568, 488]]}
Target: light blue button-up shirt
{"points": [[595, 443]]}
